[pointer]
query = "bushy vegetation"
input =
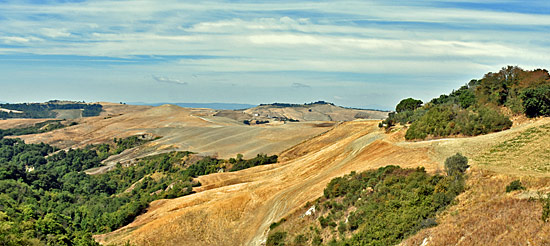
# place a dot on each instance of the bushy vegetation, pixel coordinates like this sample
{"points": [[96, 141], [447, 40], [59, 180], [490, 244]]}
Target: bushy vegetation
{"points": [[260, 159], [46, 198], [46, 110], [536, 101], [379, 207], [475, 108], [514, 185], [408, 104], [456, 165]]}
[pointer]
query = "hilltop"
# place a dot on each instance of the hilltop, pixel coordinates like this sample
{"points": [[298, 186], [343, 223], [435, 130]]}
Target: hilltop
{"points": [[317, 111]]}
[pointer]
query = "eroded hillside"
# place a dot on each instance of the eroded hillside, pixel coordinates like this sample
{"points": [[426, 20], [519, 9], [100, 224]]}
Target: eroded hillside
{"points": [[237, 208]]}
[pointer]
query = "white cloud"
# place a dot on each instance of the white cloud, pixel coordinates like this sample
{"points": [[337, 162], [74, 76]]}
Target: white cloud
{"points": [[164, 79], [300, 86], [349, 36], [55, 33]]}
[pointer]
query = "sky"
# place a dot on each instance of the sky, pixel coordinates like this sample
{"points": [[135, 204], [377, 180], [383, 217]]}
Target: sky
{"points": [[365, 54]]}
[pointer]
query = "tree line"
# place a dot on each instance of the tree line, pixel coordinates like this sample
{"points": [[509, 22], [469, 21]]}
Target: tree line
{"points": [[46, 110], [479, 107]]}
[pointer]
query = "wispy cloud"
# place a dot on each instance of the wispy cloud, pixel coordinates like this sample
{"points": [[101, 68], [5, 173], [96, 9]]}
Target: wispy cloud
{"points": [[164, 79], [300, 86], [353, 40]]}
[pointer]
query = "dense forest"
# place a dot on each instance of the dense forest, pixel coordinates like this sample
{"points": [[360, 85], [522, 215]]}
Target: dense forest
{"points": [[46, 110], [46, 198], [479, 107], [378, 207]]}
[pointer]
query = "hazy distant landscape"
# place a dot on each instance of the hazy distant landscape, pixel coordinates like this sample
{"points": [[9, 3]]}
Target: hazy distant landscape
{"points": [[274, 123]]}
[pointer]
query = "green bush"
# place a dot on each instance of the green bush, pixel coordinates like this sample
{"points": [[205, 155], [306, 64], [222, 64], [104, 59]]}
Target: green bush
{"points": [[456, 164], [514, 185], [447, 120], [394, 204], [300, 240], [536, 101]]}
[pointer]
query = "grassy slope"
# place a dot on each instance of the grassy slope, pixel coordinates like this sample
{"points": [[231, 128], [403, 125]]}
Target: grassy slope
{"points": [[247, 202], [485, 213]]}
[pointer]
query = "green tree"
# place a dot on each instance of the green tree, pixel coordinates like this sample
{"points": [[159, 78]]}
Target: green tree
{"points": [[536, 101], [456, 164], [408, 104]]}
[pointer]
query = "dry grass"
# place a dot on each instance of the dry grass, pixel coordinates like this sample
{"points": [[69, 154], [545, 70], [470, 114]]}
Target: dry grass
{"points": [[237, 208], [486, 215], [182, 129], [245, 203], [19, 123]]}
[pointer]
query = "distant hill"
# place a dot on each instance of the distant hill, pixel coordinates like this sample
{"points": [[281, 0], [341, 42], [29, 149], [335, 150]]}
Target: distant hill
{"points": [[317, 111], [51, 109], [227, 106]]}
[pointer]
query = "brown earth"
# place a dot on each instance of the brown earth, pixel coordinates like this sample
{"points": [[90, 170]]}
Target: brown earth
{"points": [[20, 123], [237, 208], [194, 130], [180, 129]]}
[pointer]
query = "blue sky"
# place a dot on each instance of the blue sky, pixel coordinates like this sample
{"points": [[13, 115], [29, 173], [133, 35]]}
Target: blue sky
{"points": [[354, 53]]}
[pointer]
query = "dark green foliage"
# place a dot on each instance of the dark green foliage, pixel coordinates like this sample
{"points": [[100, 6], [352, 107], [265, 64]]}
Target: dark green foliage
{"points": [[128, 143], [45, 110], [456, 165], [258, 122], [474, 108], [41, 127], [260, 159], [276, 239], [47, 198], [536, 101], [514, 185], [447, 120], [300, 240], [205, 166], [91, 110], [408, 104], [390, 204]]}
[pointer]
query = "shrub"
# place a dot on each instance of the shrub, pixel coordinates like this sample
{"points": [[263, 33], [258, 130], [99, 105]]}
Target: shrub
{"points": [[300, 239], [456, 165], [277, 238], [514, 185]]}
